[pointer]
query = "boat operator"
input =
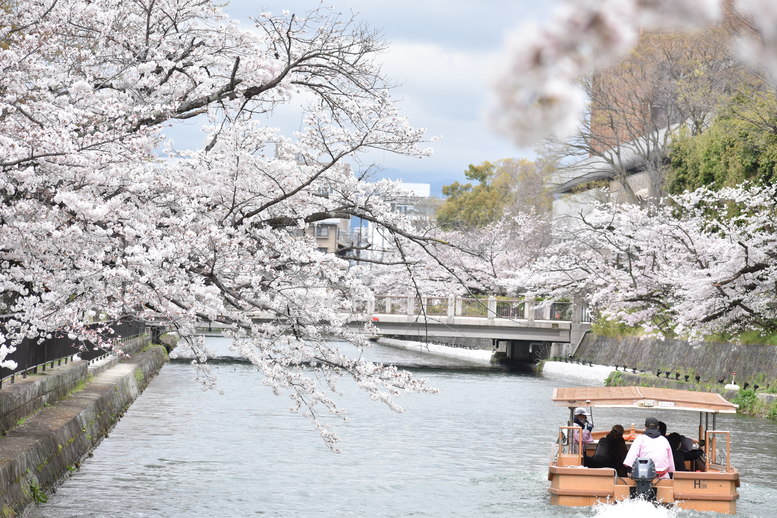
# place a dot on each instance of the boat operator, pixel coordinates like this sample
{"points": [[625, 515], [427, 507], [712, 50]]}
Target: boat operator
{"points": [[653, 445]]}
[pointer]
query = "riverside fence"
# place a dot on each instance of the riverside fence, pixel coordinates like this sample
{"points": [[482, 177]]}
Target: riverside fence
{"points": [[31, 354]]}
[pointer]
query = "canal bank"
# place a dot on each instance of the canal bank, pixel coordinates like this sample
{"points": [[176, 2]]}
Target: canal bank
{"points": [[709, 364], [56, 418]]}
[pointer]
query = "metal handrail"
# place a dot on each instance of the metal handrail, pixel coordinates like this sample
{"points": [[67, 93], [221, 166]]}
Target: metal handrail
{"points": [[30, 355]]}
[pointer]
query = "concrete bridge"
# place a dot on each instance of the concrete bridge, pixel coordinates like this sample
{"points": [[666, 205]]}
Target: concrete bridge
{"points": [[516, 330], [520, 330]]}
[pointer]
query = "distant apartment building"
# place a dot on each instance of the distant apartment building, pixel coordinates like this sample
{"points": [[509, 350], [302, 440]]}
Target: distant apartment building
{"points": [[417, 205], [353, 238], [333, 235]]}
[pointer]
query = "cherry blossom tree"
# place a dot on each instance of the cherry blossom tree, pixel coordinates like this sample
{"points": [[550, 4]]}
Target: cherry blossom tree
{"points": [[695, 264], [94, 220], [491, 260]]}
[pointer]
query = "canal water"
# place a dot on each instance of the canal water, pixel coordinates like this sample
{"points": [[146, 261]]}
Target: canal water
{"points": [[478, 448]]}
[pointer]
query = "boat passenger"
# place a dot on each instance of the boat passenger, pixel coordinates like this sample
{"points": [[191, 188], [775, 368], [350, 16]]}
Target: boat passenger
{"points": [[691, 452], [611, 451], [581, 420], [653, 445], [675, 442]]}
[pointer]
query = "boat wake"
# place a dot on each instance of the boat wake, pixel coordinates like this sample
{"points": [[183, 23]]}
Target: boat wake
{"points": [[636, 507]]}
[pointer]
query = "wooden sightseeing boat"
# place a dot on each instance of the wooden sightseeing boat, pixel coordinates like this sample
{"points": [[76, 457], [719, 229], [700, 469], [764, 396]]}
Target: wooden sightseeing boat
{"points": [[708, 486]]}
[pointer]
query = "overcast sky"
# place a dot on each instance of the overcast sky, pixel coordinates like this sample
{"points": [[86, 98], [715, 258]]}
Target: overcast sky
{"points": [[442, 52]]}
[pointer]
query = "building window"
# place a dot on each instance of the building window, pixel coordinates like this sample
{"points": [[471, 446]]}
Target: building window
{"points": [[322, 230]]}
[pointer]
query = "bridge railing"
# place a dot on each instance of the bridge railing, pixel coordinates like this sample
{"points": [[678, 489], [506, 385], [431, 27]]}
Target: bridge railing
{"points": [[435, 306], [512, 308], [472, 307], [490, 307], [561, 311]]}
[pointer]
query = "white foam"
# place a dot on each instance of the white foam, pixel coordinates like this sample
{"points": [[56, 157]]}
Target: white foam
{"points": [[574, 370], [479, 356], [634, 508]]}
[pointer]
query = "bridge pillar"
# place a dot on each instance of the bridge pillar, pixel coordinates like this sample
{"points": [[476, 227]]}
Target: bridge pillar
{"points": [[501, 349], [451, 308], [411, 305], [491, 309], [529, 308], [561, 349]]}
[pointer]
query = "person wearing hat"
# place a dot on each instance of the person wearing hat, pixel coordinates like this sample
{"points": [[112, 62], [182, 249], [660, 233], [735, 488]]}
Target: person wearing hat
{"points": [[653, 445], [581, 420]]}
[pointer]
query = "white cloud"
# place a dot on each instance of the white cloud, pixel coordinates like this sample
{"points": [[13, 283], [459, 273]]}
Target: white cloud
{"points": [[442, 52]]}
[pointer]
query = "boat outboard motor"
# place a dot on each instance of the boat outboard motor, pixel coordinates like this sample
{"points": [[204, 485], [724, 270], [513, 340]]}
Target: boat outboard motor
{"points": [[643, 472]]}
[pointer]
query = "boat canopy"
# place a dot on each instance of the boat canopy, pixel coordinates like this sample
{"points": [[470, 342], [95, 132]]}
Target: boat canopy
{"points": [[642, 397]]}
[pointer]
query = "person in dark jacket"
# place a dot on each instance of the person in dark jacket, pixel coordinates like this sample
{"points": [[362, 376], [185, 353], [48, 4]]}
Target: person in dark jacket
{"points": [[611, 451], [675, 441]]}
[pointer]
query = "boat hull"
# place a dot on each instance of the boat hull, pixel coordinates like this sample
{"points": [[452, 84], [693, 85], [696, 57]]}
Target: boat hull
{"points": [[701, 491]]}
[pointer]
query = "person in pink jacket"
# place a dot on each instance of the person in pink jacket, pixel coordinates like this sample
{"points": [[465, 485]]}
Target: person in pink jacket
{"points": [[654, 446]]}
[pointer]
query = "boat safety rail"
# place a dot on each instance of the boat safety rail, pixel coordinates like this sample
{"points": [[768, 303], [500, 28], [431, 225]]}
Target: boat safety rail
{"points": [[570, 446], [718, 446]]}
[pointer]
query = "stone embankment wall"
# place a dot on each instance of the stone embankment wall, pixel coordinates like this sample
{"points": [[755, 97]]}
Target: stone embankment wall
{"points": [[55, 419], [753, 364]]}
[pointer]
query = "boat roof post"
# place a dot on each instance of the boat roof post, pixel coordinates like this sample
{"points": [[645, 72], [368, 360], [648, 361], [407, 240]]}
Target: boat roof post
{"points": [[701, 426]]}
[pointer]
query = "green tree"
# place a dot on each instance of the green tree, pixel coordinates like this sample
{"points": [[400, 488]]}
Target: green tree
{"points": [[740, 145], [494, 189]]}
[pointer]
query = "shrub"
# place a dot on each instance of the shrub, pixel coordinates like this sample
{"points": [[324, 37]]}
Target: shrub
{"points": [[747, 401], [615, 379]]}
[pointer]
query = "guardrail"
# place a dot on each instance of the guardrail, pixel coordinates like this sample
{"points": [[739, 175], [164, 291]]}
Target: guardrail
{"points": [[31, 355], [487, 307]]}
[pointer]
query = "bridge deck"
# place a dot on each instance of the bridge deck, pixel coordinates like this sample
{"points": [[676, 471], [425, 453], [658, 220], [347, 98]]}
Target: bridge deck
{"points": [[473, 327]]}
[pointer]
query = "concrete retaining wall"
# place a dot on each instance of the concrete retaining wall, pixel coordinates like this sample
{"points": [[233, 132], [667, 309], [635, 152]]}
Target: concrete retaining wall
{"points": [[26, 395], [40, 451], [755, 364]]}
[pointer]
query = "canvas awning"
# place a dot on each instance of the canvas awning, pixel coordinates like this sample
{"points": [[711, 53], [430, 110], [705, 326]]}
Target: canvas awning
{"points": [[642, 397]]}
